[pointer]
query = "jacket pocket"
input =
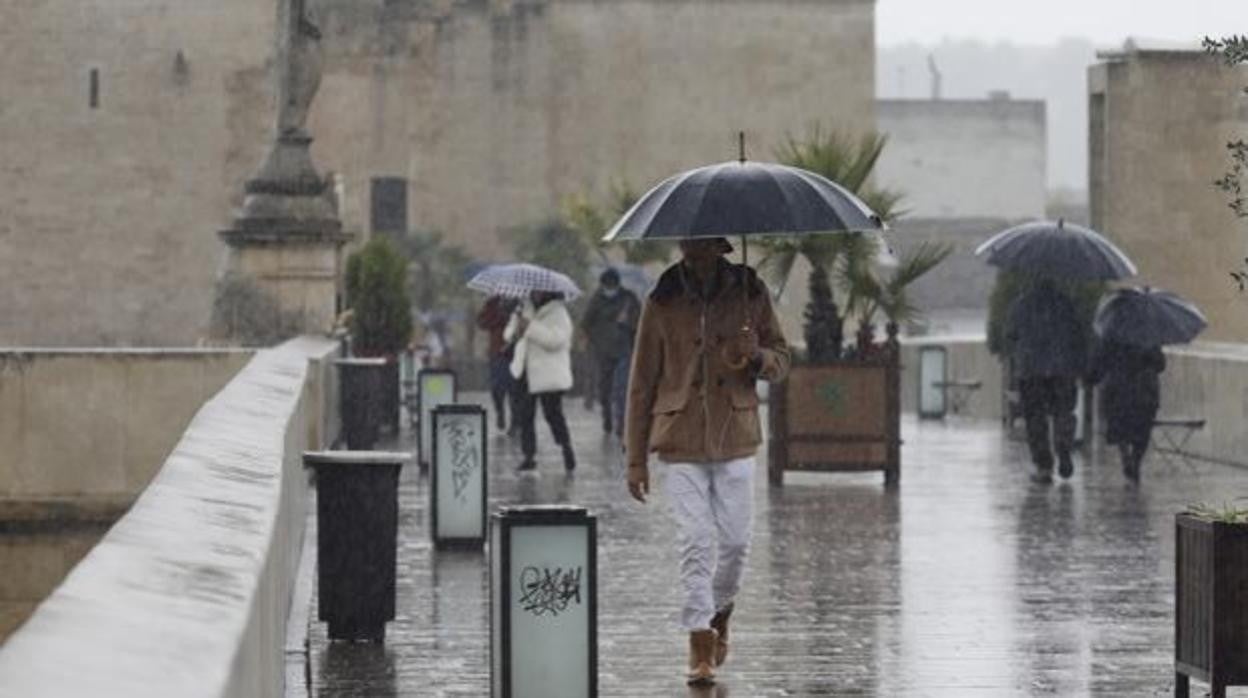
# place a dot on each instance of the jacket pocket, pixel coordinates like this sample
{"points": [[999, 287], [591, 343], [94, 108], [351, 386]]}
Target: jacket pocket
{"points": [[668, 412], [743, 429]]}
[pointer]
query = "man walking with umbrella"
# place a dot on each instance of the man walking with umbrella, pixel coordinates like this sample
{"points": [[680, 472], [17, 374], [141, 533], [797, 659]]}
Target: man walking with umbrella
{"points": [[1045, 336], [707, 333], [1049, 349]]}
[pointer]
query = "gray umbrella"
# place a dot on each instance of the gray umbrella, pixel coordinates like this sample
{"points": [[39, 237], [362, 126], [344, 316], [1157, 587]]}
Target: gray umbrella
{"points": [[1057, 249], [746, 199], [1148, 317]]}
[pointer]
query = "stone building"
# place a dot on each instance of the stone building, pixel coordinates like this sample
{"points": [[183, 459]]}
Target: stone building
{"points": [[962, 158], [1159, 119], [969, 168], [128, 128]]}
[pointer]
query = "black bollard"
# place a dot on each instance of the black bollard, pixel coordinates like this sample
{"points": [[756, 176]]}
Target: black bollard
{"points": [[360, 386], [543, 602], [458, 489], [357, 513]]}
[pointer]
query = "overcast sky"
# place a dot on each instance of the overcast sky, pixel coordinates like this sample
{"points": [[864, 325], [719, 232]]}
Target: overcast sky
{"points": [[1106, 22]]}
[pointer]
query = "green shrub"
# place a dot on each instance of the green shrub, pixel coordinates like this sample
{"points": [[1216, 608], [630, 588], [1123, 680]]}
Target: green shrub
{"points": [[381, 321]]}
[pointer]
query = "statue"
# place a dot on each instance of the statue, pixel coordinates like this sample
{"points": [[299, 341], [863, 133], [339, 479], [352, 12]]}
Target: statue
{"points": [[300, 64]]}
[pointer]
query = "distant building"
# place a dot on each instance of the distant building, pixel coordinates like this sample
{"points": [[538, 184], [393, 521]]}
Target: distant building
{"points": [[1159, 119], [968, 169], [959, 158], [129, 128]]}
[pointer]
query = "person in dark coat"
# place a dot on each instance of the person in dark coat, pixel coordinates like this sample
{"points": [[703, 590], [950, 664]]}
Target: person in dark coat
{"points": [[493, 319], [1048, 345], [1130, 397], [609, 323]]}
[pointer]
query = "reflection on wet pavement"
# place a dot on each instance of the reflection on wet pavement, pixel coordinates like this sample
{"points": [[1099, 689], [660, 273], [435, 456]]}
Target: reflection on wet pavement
{"points": [[967, 581]]}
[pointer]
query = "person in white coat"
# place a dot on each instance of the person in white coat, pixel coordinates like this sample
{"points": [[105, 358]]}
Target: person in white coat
{"points": [[542, 366]]}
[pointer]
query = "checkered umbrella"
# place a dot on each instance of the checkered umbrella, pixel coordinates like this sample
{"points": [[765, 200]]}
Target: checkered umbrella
{"points": [[518, 280]]}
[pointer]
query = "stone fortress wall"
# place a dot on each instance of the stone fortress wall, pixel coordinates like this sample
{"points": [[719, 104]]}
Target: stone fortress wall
{"points": [[111, 195]]}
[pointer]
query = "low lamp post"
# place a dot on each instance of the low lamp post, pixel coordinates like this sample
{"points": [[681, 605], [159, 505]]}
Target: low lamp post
{"points": [[459, 474], [434, 386], [543, 602]]}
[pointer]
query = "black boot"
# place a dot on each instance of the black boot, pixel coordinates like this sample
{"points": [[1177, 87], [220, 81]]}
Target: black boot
{"points": [[527, 464], [569, 458]]}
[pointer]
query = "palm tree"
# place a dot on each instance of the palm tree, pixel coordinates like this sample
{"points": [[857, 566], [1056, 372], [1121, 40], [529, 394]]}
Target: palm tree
{"points": [[593, 221], [846, 261]]}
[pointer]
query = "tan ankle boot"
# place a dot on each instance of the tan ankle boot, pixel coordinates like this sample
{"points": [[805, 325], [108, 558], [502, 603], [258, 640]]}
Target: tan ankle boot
{"points": [[702, 657], [720, 624]]}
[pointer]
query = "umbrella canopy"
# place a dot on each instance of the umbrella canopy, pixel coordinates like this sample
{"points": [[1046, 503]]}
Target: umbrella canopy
{"points": [[1057, 249], [746, 199], [1148, 317], [518, 280]]}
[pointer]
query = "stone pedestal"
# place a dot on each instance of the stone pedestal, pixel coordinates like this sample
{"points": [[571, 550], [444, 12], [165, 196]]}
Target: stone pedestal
{"points": [[287, 240]]}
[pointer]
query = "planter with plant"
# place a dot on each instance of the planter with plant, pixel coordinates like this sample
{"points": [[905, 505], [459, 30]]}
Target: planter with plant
{"points": [[840, 409], [1211, 598], [381, 324]]}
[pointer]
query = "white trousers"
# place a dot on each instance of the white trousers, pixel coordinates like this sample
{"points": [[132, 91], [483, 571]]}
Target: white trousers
{"points": [[713, 504]]}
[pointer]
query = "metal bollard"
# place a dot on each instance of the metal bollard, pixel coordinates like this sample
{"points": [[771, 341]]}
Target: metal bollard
{"points": [[458, 490], [543, 603], [357, 512]]}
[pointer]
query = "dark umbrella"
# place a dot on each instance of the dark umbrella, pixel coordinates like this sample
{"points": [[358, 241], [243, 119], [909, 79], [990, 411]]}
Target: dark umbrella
{"points": [[1057, 249], [746, 199], [1148, 317]]}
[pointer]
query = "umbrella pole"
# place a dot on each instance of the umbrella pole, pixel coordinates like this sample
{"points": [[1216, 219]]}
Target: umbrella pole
{"points": [[745, 272]]}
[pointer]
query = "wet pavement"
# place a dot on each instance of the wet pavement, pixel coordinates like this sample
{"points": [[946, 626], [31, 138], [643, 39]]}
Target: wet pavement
{"points": [[966, 581]]}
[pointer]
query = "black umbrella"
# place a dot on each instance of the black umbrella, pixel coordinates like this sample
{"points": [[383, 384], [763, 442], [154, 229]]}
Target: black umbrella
{"points": [[1148, 317], [746, 199], [1057, 249]]}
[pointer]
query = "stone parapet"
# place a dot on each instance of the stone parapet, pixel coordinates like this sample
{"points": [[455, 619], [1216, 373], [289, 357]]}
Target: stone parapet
{"points": [[187, 595]]}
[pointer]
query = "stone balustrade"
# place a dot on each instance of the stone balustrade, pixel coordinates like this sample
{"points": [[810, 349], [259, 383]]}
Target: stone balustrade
{"points": [[188, 594]]}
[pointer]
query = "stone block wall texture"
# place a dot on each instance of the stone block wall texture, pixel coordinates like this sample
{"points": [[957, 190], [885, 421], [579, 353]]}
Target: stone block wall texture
{"points": [[958, 158], [493, 112], [1159, 122], [108, 215], [188, 593], [97, 425]]}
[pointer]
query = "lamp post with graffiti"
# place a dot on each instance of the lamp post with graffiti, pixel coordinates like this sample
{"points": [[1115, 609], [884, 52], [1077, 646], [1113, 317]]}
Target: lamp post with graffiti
{"points": [[543, 602], [459, 490]]}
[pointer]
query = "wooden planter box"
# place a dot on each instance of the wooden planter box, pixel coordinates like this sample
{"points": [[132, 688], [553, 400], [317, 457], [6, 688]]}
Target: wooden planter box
{"points": [[1211, 604], [838, 417]]}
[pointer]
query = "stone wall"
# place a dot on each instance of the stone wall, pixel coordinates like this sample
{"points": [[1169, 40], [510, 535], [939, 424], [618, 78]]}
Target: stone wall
{"points": [[95, 425], [494, 112], [1207, 380], [188, 593], [1159, 122], [960, 158], [108, 215]]}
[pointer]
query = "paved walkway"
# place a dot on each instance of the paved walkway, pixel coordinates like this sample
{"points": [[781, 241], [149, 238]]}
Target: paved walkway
{"points": [[967, 581]]}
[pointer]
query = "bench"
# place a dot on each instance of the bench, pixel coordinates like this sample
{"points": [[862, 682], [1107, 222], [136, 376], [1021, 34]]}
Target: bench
{"points": [[1171, 434]]}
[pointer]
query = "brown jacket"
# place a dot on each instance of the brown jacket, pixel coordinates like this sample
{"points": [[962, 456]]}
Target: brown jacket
{"points": [[684, 401]]}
